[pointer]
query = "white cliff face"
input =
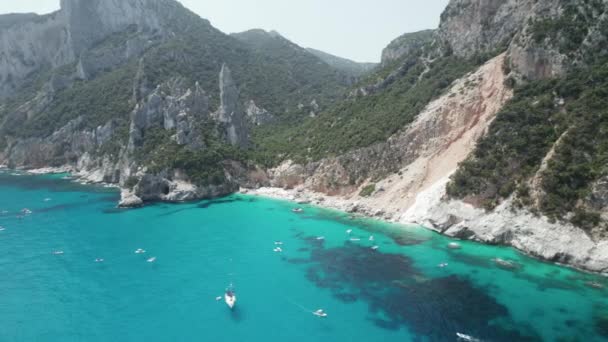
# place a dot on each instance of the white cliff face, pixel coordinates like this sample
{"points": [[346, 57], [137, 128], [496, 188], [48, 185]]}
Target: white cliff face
{"points": [[61, 37], [171, 106], [89, 21], [474, 27], [535, 235], [27, 46], [469, 27]]}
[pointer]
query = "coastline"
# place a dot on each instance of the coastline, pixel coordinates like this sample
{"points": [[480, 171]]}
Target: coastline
{"points": [[425, 217], [301, 195], [527, 244], [78, 177]]}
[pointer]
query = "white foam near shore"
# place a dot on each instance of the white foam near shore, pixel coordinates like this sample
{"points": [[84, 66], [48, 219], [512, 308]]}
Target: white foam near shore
{"points": [[81, 177], [49, 170], [349, 205], [532, 235]]}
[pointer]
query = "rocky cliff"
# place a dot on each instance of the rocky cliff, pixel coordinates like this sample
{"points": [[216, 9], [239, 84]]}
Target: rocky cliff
{"points": [[539, 45], [543, 38], [406, 44], [60, 38], [231, 113], [147, 95], [491, 127]]}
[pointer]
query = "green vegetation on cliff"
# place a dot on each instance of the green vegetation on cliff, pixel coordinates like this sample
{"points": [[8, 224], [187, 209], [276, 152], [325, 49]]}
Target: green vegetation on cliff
{"points": [[574, 108], [98, 101], [277, 74], [360, 121], [203, 166], [568, 30]]}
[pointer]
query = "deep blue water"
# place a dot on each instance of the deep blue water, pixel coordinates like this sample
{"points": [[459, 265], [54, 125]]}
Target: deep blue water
{"points": [[397, 293]]}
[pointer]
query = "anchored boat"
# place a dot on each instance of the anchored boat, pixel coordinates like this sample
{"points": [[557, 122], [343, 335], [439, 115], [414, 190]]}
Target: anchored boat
{"points": [[230, 297], [320, 313]]}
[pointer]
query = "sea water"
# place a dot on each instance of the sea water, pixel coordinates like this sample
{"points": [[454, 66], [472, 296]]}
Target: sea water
{"points": [[52, 288]]}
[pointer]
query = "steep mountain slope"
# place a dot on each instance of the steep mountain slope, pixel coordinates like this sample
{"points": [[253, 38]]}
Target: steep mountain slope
{"points": [[100, 85], [533, 171], [351, 68], [553, 158], [381, 104], [299, 72]]}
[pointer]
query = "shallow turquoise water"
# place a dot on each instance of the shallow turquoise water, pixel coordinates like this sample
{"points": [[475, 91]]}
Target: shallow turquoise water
{"points": [[397, 293]]}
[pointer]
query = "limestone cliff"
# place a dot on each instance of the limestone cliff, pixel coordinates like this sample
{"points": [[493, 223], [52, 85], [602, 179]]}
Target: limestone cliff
{"points": [[61, 37], [544, 38], [231, 113], [35, 43], [406, 44]]}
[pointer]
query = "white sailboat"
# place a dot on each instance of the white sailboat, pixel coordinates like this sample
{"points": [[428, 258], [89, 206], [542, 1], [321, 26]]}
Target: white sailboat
{"points": [[230, 297], [320, 313]]}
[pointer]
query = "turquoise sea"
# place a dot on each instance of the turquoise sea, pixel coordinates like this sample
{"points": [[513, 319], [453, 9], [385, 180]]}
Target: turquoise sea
{"points": [[396, 293]]}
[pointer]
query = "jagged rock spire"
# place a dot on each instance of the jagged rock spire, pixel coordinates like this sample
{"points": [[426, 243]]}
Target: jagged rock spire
{"points": [[230, 112]]}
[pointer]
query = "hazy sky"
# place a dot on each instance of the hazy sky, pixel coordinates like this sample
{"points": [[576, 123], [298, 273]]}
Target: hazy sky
{"points": [[354, 29]]}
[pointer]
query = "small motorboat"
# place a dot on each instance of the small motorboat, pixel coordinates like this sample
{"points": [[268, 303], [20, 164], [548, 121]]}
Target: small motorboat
{"points": [[297, 210], [442, 265], [355, 239], [26, 211], [277, 250], [218, 298], [371, 238], [230, 297], [463, 337], [57, 252], [349, 231], [152, 259], [2, 228], [453, 245], [320, 313], [47, 199], [320, 238], [98, 260], [375, 248], [278, 243], [140, 251]]}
